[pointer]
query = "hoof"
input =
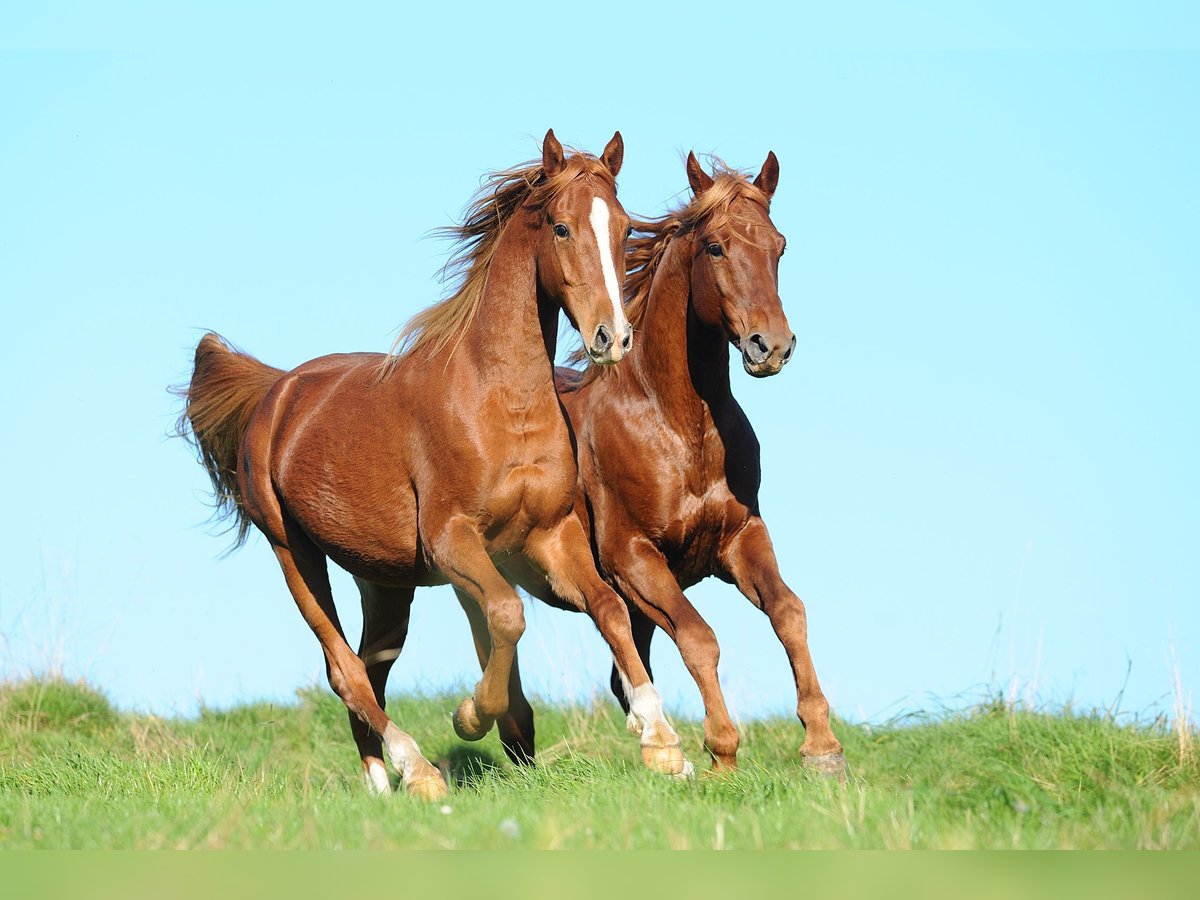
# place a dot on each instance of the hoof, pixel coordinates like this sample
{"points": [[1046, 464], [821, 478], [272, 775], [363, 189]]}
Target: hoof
{"points": [[722, 765], [831, 765], [668, 761], [467, 723], [429, 787]]}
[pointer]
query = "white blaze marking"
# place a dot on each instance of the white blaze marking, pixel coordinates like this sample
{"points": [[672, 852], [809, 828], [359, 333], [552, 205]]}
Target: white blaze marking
{"points": [[599, 221]]}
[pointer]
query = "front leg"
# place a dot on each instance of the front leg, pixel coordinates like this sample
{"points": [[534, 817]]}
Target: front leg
{"points": [[643, 575], [562, 552], [749, 560], [643, 634], [459, 553], [516, 725]]}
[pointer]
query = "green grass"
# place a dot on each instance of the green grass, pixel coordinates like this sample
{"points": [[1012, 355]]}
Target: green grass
{"points": [[74, 773]]}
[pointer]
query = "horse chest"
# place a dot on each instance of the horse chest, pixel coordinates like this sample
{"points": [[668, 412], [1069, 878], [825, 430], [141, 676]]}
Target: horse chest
{"points": [[533, 484], [691, 541]]}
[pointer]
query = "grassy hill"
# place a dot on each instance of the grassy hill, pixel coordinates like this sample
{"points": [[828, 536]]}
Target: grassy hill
{"points": [[75, 773]]}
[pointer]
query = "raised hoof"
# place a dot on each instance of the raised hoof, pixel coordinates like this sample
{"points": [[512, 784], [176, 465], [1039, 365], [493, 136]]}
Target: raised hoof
{"points": [[467, 723], [668, 761], [831, 765], [429, 787]]}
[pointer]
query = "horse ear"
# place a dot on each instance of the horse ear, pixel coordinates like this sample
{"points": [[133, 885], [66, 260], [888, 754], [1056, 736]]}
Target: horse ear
{"points": [[697, 177], [768, 178], [614, 154], [552, 154]]}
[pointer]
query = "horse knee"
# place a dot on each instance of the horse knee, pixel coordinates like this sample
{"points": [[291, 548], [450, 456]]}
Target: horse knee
{"points": [[506, 620]]}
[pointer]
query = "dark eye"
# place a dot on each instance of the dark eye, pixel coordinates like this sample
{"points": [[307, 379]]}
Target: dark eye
{"points": [[561, 230], [629, 232], [714, 250]]}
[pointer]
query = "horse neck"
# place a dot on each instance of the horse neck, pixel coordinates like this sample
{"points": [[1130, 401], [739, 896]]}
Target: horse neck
{"points": [[506, 341], [679, 361]]}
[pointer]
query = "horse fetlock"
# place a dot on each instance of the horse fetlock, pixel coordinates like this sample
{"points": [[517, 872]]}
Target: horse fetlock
{"points": [[469, 723], [376, 778], [724, 757]]}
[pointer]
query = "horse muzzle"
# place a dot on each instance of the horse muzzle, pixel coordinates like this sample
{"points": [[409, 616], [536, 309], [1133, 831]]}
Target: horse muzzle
{"points": [[604, 349], [763, 356]]}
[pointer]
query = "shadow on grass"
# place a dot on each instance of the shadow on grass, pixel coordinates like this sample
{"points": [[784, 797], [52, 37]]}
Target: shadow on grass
{"points": [[466, 767]]}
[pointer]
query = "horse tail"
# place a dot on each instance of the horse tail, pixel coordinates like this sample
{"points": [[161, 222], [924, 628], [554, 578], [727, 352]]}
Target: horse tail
{"points": [[226, 387]]}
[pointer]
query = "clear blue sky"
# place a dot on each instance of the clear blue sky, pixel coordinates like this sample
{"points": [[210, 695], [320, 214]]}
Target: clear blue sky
{"points": [[981, 465]]}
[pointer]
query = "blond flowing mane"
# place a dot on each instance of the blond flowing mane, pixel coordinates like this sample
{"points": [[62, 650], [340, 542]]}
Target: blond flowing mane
{"points": [[645, 249], [474, 243]]}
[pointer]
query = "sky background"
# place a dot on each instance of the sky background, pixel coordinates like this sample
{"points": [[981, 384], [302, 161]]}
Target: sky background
{"points": [[980, 469]]}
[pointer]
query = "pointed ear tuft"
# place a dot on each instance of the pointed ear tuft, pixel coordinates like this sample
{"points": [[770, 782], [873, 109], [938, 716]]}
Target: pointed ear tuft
{"points": [[768, 178], [614, 154], [552, 154], [697, 177]]}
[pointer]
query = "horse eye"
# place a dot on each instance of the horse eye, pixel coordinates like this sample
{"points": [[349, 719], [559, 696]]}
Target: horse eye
{"points": [[715, 250], [629, 232], [561, 230]]}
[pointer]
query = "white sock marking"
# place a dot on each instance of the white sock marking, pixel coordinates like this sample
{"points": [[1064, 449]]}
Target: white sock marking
{"points": [[377, 779], [400, 748], [599, 222]]}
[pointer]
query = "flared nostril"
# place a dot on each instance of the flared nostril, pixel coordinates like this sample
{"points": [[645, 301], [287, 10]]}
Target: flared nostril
{"points": [[602, 341], [756, 349], [627, 339], [787, 354]]}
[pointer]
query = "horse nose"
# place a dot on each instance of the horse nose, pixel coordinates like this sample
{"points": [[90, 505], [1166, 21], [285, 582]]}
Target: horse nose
{"points": [[787, 354], [627, 338], [756, 349], [601, 341]]}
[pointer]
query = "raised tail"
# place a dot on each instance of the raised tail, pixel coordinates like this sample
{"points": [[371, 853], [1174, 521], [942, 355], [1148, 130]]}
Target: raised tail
{"points": [[226, 387]]}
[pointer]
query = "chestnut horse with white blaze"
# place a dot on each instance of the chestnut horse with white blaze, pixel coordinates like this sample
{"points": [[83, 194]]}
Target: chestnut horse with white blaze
{"points": [[432, 464], [669, 467]]}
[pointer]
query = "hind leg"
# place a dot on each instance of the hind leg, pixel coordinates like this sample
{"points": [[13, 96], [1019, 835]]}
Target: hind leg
{"points": [[385, 626], [459, 553], [516, 725], [304, 568]]}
